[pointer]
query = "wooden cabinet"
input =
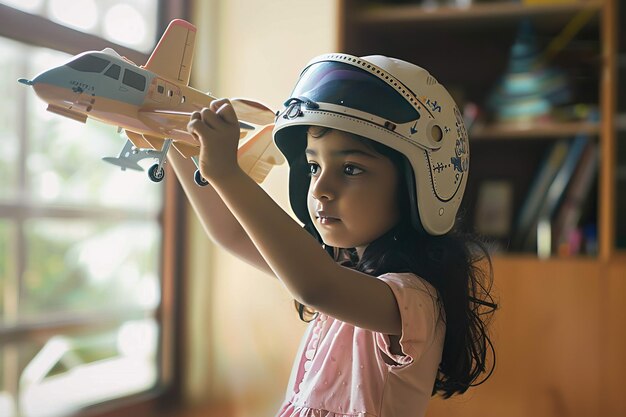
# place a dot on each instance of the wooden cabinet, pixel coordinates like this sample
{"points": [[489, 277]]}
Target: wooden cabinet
{"points": [[559, 331]]}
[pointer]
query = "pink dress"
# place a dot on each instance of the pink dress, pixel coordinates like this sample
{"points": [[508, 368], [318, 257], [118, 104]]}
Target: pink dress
{"points": [[343, 370]]}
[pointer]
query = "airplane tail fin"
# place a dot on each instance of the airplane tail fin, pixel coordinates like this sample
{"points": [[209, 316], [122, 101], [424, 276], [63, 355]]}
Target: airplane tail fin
{"points": [[123, 163], [173, 55]]}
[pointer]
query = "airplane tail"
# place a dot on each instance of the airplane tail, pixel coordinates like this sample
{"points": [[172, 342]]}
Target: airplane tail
{"points": [[123, 163], [173, 55]]}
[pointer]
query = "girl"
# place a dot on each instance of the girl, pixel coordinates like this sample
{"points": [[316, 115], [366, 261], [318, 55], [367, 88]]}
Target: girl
{"points": [[378, 157]]}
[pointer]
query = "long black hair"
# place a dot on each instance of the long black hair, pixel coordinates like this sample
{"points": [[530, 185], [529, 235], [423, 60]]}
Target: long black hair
{"points": [[456, 264]]}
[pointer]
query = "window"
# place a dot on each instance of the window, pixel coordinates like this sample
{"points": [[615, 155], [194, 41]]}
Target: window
{"points": [[85, 263], [89, 63], [132, 23], [132, 79], [113, 72]]}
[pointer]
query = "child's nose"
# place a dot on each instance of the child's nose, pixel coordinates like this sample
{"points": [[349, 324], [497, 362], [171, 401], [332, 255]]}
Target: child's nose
{"points": [[322, 187]]}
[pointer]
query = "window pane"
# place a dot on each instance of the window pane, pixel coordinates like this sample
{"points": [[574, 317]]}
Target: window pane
{"points": [[90, 280], [130, 23], [89, 63], [134, 80], [86, 266], [64, 373], [10, 67], [64, 162], [8, 288], [29, 6], [8, 382], [113, 72]]}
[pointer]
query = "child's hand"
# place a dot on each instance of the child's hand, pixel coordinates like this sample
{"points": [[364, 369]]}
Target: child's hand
{"points": [[217, 129]]}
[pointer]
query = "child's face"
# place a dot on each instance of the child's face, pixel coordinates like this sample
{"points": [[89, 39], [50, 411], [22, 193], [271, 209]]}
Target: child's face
{"points": [[352, 198]]}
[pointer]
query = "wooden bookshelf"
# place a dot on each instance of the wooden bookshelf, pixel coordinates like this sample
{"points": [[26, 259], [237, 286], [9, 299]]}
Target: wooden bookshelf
{"points": [[532, 130], [467, 48], [559, 352]]}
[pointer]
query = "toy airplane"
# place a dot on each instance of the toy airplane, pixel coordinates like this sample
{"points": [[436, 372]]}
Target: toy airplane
{"points": [[152, 103]]}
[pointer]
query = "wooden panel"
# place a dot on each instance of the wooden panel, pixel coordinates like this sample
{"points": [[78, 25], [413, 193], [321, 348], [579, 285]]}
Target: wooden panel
{"points": [[613, 355], [608, 81], [547, 339]]}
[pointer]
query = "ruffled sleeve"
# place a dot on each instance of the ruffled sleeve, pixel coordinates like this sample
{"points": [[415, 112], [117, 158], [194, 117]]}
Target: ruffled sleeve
{"points": [[418, 305]]}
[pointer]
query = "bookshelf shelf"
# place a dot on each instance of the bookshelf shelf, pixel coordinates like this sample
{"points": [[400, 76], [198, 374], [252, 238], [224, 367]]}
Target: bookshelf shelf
{"points": [[532, 130], [480, 12]]}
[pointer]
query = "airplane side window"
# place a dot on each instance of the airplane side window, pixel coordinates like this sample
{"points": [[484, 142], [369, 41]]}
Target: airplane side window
{"points": [[113, 72], [132, 79], [160, 89], [89, 63]]}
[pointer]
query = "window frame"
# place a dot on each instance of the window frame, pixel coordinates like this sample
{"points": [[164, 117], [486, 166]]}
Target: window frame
{"points": [[15, 24]]}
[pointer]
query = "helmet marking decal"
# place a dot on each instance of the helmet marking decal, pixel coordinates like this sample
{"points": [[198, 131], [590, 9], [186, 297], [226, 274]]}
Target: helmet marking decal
{"points": [[461, 149], [434, 106]]}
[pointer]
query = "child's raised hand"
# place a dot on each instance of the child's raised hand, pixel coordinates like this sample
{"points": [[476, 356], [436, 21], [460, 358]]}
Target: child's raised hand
{"points": [[217, 130]]}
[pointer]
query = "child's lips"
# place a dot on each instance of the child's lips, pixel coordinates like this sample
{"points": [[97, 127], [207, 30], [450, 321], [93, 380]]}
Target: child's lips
{"points": [[325, 218]]}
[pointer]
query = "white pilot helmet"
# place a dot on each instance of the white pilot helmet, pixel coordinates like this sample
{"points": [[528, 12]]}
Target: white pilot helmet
{"points": [[389, 101]]}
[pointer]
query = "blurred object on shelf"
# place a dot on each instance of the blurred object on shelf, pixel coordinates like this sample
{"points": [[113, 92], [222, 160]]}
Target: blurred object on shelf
{"points": [[471, 113], [549, 2], [444, 3], [567, 235], [560, 41], [494, 208], [578, 111], [529, 90]]}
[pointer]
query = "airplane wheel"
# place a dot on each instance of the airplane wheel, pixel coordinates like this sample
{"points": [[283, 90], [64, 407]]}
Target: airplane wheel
{"points": [[197, 177], [155, 173]]}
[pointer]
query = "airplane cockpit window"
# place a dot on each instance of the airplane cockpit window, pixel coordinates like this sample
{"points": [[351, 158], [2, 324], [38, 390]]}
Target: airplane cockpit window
{"points": [[135, 80], [89, 63], [113, 72]]}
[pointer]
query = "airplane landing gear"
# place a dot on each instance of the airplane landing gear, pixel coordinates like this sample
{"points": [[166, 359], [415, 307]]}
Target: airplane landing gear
{"points": [[156, 173], [197, 177], [130, 155]]}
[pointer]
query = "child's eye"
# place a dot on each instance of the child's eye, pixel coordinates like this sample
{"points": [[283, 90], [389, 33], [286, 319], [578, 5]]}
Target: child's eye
{"points": [[313, 168], [352, 170]]}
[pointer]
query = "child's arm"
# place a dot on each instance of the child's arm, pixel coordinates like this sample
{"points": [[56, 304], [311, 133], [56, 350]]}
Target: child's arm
{"points": [[296, 258], [217, 220]]}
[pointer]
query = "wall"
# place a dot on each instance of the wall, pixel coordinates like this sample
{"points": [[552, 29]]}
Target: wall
{"points": [[243, 329]]}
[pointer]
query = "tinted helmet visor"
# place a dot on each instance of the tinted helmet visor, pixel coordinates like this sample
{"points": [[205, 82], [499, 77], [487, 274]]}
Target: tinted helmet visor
{"points": [[346, 85]]}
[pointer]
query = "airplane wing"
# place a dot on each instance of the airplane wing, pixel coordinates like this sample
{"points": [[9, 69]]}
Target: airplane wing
{"points": [[253, 111], [137, 140], [186, 149], [164, 120], [177, 120], [173, 55], [258, 155]]}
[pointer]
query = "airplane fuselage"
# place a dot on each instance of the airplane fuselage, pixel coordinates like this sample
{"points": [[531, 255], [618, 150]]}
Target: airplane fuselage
{"points": [[106, 87]]}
